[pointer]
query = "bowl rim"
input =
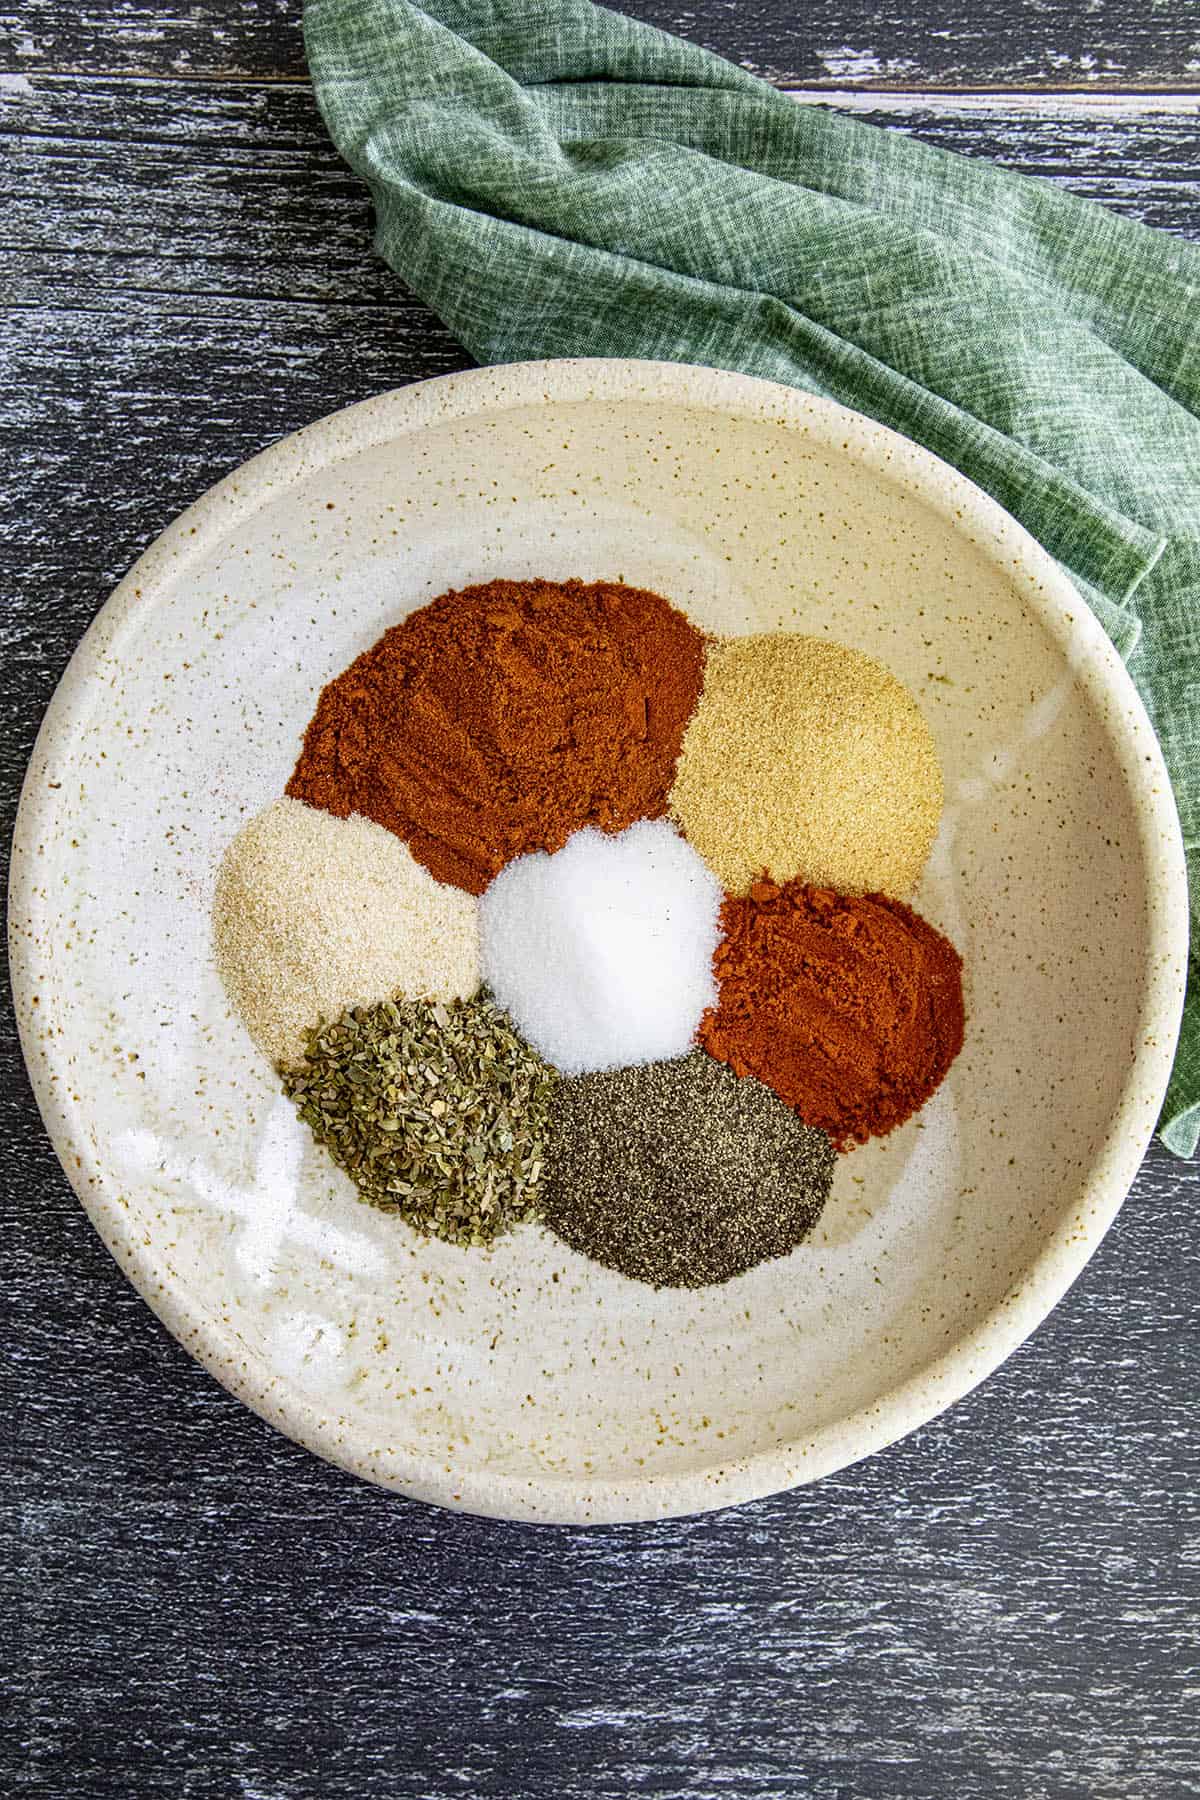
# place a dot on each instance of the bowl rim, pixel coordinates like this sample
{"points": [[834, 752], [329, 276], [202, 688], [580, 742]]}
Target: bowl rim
{"points": [[1047, 592]]}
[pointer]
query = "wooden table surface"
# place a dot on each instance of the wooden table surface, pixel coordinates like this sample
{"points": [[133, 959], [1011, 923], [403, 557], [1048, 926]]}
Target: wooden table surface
{"points": [[1003, 1604]]}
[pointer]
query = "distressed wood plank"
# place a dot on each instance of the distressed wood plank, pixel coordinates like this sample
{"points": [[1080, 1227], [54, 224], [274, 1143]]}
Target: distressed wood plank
{"points": [[1001, 1606], [958, 43], [114, 189]]}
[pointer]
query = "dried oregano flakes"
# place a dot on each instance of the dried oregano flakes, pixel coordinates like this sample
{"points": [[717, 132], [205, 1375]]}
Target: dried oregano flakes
{"points": [[436, 1111]]}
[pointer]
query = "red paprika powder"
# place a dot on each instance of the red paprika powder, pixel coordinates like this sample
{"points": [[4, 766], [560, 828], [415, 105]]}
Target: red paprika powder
{"points": [[850, 1007], [502, 718]]}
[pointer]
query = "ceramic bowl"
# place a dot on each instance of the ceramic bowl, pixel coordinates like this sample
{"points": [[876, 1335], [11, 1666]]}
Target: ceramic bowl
{"points": [[530, 1383]]}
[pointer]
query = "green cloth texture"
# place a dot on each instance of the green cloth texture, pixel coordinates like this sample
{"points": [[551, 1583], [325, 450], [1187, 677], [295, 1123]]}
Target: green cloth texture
{"points": [[554, 179]]}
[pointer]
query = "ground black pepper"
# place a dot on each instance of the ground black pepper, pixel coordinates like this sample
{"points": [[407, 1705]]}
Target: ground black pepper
{"points": [[681, 1173]]}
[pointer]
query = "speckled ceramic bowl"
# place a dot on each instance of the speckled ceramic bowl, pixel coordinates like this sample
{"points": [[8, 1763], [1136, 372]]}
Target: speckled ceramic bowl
{"points": [[529, 1383]]}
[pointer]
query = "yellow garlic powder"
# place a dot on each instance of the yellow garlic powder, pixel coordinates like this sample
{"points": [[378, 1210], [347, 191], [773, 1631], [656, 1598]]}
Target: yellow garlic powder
{"points": [[807, 759]]}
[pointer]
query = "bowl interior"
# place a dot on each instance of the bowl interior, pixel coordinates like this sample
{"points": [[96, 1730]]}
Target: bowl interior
{"points": [[529, 1380]]}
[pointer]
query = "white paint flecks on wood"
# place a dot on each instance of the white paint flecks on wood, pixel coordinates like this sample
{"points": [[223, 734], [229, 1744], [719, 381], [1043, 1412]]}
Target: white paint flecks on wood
{"points": [[960, 43], [1052, 107]]}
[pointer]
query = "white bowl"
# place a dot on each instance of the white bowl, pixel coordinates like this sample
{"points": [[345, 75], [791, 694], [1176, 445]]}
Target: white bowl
{"points": [[531, 1383]]}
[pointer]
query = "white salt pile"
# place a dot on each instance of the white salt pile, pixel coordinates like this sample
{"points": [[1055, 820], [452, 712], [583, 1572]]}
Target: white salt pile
{"points": [[314, 915], [602, 953]]}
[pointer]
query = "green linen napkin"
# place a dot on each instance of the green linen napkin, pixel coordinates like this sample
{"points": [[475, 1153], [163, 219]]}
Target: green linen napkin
{"points": [[556, 180]]}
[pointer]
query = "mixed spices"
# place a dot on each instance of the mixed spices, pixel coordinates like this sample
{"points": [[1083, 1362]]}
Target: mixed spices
{"points": [[573, 914]]}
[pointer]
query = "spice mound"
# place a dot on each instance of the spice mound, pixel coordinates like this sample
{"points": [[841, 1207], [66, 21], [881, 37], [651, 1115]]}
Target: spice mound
{"points": [[436, 1112], [602, 953], [679, 1174], [850, 1008], [809, 761], [502, 718], [313, 915]]}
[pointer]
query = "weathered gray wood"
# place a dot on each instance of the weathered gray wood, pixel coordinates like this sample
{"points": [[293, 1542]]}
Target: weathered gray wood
{"points": [[1002, 1606], [160, 189], [839, 43]]}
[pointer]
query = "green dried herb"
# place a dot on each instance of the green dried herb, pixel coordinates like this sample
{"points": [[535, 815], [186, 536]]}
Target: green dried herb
{"points": [[436, 1111]]}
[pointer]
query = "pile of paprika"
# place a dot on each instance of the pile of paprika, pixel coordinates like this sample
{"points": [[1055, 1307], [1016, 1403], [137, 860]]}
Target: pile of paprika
{"points": [[849, 1006], [499, 719]]}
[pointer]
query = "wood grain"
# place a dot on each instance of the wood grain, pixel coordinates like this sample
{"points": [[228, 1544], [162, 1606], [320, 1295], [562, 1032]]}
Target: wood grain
{"points": [[159, 187], [1002, 1605], [839, 43]]}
